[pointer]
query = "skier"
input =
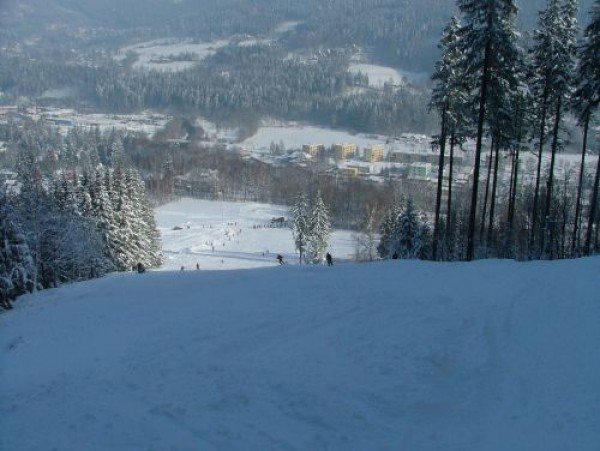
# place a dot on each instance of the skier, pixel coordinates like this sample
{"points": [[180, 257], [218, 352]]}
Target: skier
{"points": [[5, 300], [280, 259], [395, 256], [197, 266], [329, 259], [140, 268]]}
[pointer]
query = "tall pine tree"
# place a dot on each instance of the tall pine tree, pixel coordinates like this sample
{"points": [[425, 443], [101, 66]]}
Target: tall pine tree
{"points": [[449, 99], [489, 43], [557, 70], [301, 224], [587, 98], [320, 230]]}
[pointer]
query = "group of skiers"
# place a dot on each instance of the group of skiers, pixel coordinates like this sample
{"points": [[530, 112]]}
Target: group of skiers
{"points": [[328, 259], [140, 268]]}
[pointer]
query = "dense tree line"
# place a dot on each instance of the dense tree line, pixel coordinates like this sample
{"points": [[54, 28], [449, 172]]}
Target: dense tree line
{"points": [[404, 233], [256, 80], [64, 225], [514, 100], [78, 148]]}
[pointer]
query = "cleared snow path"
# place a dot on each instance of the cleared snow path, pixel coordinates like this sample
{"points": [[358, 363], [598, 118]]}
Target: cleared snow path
{"points": [[399, 356]]}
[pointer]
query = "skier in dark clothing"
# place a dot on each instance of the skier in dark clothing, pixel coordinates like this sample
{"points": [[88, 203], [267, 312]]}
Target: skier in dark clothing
{"points": [[395, 256], [140, 268], [279, 258], [329, 259], [5, 301]]}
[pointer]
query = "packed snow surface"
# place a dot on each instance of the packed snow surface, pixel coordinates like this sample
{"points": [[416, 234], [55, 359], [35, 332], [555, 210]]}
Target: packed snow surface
{"points": [[408, 355], [231, 235]]}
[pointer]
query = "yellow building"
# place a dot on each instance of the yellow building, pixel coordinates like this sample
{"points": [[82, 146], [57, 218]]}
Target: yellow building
{"points": [[314, 150], [344, 151], [374, 154]]}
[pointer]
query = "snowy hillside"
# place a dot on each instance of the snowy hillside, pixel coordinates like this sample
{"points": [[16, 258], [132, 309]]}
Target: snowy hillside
{"points": [[399, 356], [231, 235]]}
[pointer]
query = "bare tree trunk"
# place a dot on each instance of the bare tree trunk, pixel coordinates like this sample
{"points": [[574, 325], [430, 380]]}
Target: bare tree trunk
{"points": [[487, 190], [510, 189], [565, 219], [515, 184], [485, 80], [550, 185], [438, 200], [575, 238], [494, 188], [538, 177], [450, 174]]}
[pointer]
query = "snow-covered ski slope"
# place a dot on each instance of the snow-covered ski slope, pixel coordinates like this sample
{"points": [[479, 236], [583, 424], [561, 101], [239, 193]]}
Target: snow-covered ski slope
{"points": [[490, 356], [231, 235]]}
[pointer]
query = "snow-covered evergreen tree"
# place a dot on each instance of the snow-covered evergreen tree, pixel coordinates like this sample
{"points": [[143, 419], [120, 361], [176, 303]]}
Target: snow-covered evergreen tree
{"points": [[17, 268], [125, 216], [65, 194], [587, 99], [301, 224], [122, 213], [411, 237], [385, 249], [366, 242], [489, 43], [449, 98], [144, 232], [320, 230], [554, 62], [588, 76], [83, 195], [72, 249], [106, 219]]}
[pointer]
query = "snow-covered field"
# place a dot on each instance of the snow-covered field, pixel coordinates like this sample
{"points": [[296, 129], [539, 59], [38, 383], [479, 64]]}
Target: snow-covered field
{"points": [[154, 55], [378, 75], [285, 27], [491, 356], [146, 122], [158, 54], [229, 235], [214, 133], [294, 135]]}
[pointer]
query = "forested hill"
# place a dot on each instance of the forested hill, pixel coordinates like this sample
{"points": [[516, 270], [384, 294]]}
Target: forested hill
{"points": [[400, 32]]}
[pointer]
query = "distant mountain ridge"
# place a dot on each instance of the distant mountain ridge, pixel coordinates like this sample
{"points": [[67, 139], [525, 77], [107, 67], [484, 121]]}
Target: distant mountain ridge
{"points": [[401, 31]]}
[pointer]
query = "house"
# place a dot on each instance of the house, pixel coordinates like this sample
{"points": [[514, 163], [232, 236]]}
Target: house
{"points": [[344, 151], [374, 154], [420, 171], [7, 110], [314, 150], [408, 157]]}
